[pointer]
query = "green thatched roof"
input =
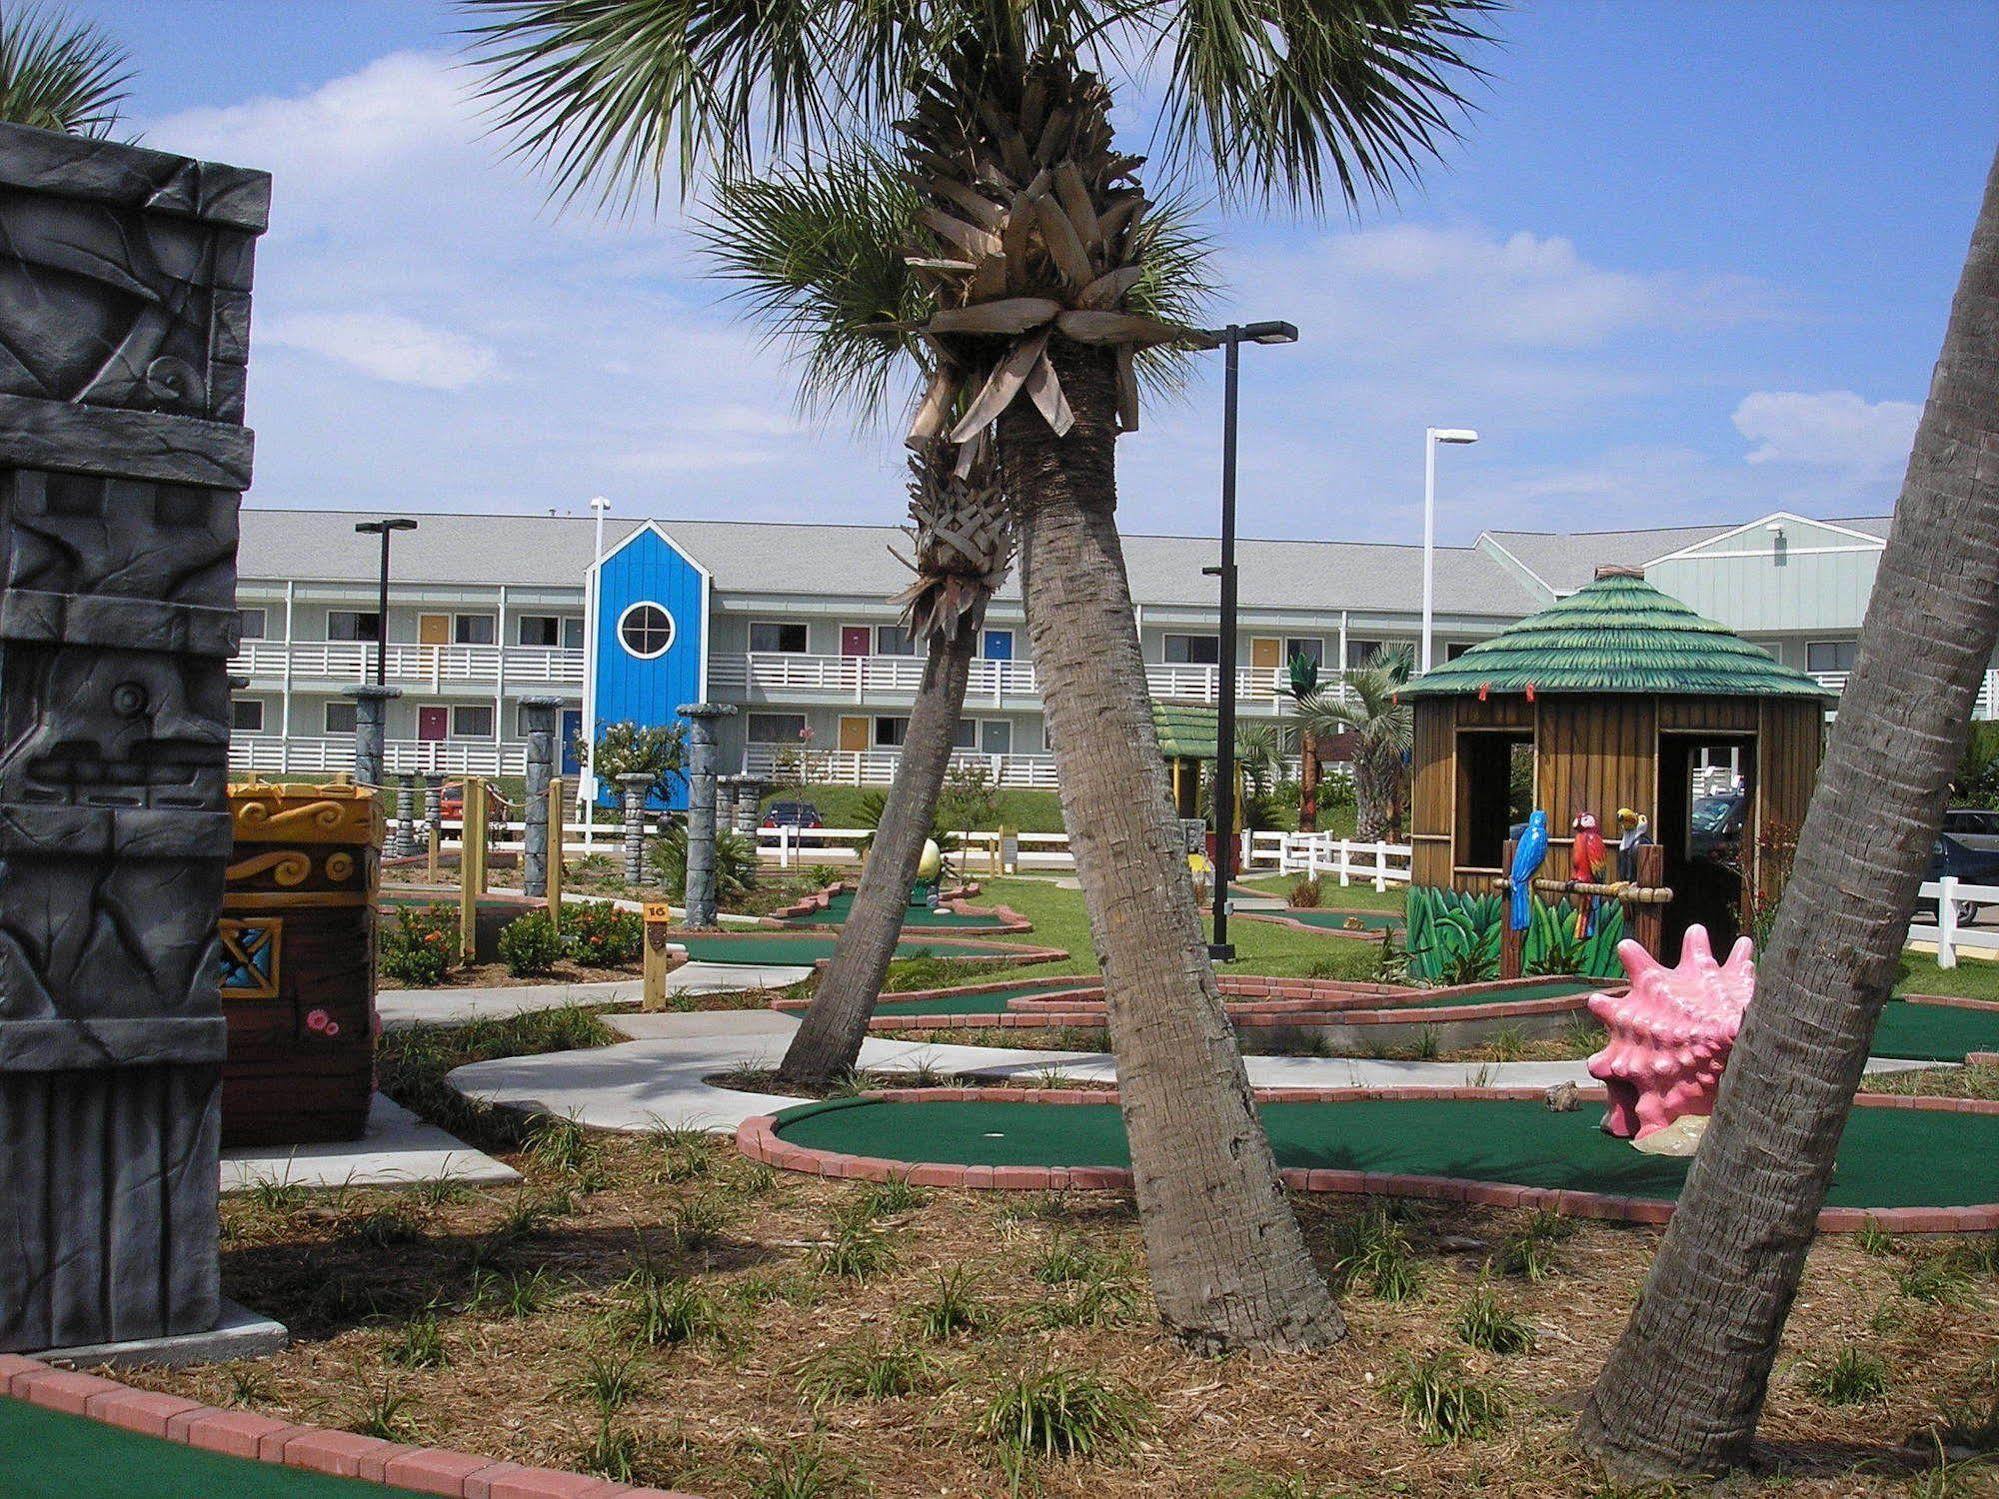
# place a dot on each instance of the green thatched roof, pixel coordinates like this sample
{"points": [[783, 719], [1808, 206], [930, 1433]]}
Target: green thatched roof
{"points": [[1185, 733], [1618, 634]]}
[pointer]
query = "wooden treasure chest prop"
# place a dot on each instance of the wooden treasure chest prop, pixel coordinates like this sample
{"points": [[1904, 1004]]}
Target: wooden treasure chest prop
{"points": [[298, 963]]}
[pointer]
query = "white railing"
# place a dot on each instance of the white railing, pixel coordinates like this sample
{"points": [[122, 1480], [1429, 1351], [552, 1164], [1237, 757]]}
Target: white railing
{"points": [[765, 675], [354, 661], [1316, 854], [273, 754], [978, 850], [1985, 705], [1948, 934], [876, 767]]}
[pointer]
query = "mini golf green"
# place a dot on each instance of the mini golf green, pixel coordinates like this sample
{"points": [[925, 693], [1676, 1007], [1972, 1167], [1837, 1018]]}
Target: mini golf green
{"points": [[1887, 1158], [983, 1002], [1327, 920], [779, 948], [1934, 1033], [841, 906], [46, 1454]]}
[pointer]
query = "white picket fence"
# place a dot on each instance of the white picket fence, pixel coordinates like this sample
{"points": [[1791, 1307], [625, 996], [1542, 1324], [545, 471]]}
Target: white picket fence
{"points": [[978, 850], [1948, 935], [1315, 855]]}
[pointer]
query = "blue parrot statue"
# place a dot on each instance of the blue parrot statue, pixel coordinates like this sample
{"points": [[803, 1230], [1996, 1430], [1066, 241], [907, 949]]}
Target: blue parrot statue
{"points": [[1527, 856]]}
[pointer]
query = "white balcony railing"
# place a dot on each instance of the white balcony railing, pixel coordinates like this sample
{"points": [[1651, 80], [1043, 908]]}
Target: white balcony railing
{"points": [[1985, 705], [277, 754], [264, 661], [876, 767], [782, 676]]}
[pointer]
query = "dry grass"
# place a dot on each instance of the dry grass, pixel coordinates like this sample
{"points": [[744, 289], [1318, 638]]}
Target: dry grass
{"points": [[516, 1323]]}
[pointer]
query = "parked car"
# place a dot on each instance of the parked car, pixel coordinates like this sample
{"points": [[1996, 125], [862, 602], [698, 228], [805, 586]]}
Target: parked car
{"points": [[1953, 856], [792, 815], [1975, 827], [1716, 824]]}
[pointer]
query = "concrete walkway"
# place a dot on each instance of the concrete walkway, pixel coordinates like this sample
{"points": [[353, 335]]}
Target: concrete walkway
{"points": [[658, 1079], [397, 1150], [400, 1007]]}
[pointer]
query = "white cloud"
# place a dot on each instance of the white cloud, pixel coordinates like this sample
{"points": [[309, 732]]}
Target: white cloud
{"points": [[1834, 429], [400, 350]]}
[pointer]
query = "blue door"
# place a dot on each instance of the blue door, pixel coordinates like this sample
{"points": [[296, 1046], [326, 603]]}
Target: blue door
{"points": [[572, 730], [999, 645]]}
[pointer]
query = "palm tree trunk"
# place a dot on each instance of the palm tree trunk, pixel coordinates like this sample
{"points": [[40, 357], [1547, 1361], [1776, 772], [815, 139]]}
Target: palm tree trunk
{"points": [[1308, 782], [830, 1036], [1684, 1386], [1226, 1259]]}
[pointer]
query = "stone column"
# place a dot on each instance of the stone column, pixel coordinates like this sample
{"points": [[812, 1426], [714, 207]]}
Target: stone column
{"points": [[633, 787], [371, 711], [725, 801], [538, 713], [402, 836], [700, 894], [750, 792], [126, 284]]}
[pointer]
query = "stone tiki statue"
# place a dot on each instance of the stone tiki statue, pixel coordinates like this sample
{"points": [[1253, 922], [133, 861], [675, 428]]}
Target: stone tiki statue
{"points": [[124, 302]]}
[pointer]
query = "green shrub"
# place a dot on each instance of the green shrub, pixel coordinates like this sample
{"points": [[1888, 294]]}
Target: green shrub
{"points": [[1372, 1253], [1306, 893], [1444, 1403], [602, 936], [530, 945], [1849, 1377], [865, 1372], [1062, 1413], [735, 864], [420, 948]]}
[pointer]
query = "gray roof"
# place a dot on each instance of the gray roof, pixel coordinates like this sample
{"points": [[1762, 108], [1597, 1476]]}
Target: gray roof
{"points": [[854, 561], [1567, 560]]}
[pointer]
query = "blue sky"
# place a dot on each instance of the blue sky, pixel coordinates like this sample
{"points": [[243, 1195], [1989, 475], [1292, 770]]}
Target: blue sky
{"points": [[1691, 261]]}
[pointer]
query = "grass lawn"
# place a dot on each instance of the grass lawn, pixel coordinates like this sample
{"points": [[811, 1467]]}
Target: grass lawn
{"points": [[1971, 979], [840, 806]]}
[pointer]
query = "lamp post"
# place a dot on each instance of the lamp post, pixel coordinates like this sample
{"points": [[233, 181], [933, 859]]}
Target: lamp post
{"points": [[1231, 338], [599, 504], [1459, 436], [383, 529]]}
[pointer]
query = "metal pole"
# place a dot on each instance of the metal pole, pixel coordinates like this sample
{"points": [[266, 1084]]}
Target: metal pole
{"points": [[382, 616], [1220, 947], [1429, 535]]}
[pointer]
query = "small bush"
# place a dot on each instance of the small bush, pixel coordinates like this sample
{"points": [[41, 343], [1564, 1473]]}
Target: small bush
{"points": [[697, 1224], [418, 1346], [1848, 1377], [795, 1473], [559, 1144], [1446, 1404], [855, 1252], [420, 949], [1062, 1413], [385, 1416], [735, 864], [614, 1453], [611, 1383], [1372, 1253], [951, 1308], [1484, 1323], [655, 1312], [1531, 1252], [600, 935], [865, 1372], [1100, 1299], [530, 945], [1306, 893], [1936, 1278]]}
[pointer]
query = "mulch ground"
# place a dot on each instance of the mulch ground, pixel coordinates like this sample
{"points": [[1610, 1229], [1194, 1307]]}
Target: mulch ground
{"points": [[523, 1291]]}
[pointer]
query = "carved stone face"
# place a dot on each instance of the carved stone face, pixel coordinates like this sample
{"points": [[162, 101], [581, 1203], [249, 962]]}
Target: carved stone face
{"points": [[126, 538], [122, 729]]}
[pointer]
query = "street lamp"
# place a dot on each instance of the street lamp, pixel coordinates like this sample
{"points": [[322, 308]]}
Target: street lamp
{"points": [[1231, 338], [383, 528], [599, 504], [1461, 437]]}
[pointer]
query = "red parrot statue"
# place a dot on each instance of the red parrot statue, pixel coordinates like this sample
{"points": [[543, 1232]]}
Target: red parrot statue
{"points": [[1589, 863]]}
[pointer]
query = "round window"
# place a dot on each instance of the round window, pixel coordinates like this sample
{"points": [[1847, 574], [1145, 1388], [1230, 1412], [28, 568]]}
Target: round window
{"points": [[646, 630]]}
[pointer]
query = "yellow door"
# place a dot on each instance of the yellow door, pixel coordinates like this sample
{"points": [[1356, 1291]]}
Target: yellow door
{"points": [[854, 733], [1266, 653], [433, 629]]}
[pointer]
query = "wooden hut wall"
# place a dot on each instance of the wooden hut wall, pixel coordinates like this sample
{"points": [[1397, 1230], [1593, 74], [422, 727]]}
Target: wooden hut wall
{"points": [[1433, 762], [1595, 754], [1791, 741]]}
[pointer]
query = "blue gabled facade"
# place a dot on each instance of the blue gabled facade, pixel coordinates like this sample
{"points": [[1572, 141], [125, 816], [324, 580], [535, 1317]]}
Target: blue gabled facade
{"points": [[645, 573]]}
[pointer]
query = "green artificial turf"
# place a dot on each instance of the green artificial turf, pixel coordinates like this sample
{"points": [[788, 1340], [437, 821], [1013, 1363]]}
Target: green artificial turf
{"points": [[994, 1001], [778, 948], [1371, 922], [46, 1454], [842, 905], [1887, 1158], [1934, 1033]]}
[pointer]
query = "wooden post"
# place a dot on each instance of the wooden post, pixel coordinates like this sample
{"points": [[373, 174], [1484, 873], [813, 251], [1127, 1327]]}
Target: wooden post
{"points": [[556, 833], [1511, 943], [471, 866], [1649, 918], [658, 922]]}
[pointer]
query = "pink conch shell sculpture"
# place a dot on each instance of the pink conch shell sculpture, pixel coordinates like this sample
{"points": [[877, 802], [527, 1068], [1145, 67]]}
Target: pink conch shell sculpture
{"points": [[1670, 1033]]}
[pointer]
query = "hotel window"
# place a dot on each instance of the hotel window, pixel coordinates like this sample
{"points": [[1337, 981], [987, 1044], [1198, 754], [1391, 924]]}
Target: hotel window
{"points": [[894, 640], [776, 728], [890, 732], [766, 635], [1830, 655], [645, 630], [473, 629], [564, 630], [339, 718], [1361, 652], [996, 736], [1311, 647], [250, 624], [965, 734], [1193, 650], [246, 715], [472, 721], [1457, 648], [353, 624]]}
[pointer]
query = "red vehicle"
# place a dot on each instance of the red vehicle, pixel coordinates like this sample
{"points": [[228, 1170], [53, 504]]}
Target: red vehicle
{"points": [[792, 815]]}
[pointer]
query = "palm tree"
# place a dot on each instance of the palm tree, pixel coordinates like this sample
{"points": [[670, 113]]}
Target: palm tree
{"points": [[1684, 1386], [1037, 235], [59, 74], [1367, 706], [814, 253], [1303, 685]]}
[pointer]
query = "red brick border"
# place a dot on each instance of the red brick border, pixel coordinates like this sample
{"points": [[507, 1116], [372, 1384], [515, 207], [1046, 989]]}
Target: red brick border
{"points": [[1284, 918], [758, 1139], [1011, 923], [342, 1454]]}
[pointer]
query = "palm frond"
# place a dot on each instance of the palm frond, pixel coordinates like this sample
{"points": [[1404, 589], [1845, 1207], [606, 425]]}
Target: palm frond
{"points": [[1279, 96], [1178, 286], [60, 74], [1369, 705], [816, 255]]}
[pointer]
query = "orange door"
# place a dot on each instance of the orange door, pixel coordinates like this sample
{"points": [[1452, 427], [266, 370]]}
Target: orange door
{"points": [[854, 733], [1266, 653], [433, 629]]}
